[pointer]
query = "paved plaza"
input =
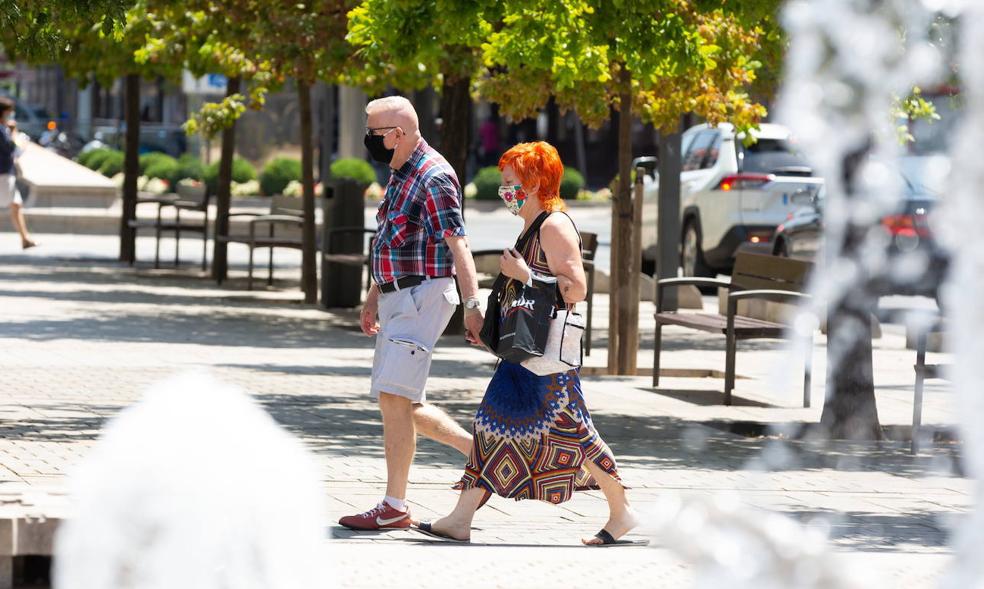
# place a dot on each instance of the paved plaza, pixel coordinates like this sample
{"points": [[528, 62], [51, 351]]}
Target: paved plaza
{"points": [[81, 337]]}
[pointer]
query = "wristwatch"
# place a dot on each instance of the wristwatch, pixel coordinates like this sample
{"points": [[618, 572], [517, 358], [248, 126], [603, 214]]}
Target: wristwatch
{"points": [[473, 303]]}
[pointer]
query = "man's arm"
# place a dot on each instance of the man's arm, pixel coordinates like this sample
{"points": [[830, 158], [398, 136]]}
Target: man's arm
{"points": [[464, 266]]}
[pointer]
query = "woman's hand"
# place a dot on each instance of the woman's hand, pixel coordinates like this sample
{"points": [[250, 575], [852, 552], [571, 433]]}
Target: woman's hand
{"points": [[514, 266]]}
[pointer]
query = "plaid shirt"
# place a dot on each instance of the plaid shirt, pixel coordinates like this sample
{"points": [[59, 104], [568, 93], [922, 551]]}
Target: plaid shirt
{"points": [[422, 206]]}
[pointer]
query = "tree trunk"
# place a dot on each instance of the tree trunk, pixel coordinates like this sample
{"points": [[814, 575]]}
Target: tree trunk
{"points": [[850, 410], [668, 213], [309, 251], [223, 195], [455, 139], [621, 297], [131, 169]]}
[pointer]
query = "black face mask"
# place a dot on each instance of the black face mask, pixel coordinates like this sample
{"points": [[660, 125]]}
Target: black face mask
{"points": [[378, 151]]}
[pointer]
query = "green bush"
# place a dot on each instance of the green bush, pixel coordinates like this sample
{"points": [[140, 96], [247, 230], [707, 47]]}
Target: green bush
{"points": [[84, 158], [165, 169], [571, 184], [151, 159], [95, 158], [112, 164], [487, 182], [278, 173], [242, 171], [352, 168], [189, 166]]}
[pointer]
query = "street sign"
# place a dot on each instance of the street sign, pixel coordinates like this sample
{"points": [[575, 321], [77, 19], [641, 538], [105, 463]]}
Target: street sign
{"points": [[210, 84]]}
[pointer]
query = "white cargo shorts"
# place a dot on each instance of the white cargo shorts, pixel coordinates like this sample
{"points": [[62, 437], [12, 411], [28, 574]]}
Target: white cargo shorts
{"points": [[8, 191], [410, 322]]}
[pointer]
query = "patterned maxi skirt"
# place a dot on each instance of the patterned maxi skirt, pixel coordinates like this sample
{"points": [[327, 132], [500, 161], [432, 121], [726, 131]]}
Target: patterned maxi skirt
{"points": [[533, 435]]}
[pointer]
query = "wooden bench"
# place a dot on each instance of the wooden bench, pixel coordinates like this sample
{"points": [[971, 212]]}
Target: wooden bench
{"points": [[754, 277], [188, 198], [338, 238], [589, 247], [281, 228]]}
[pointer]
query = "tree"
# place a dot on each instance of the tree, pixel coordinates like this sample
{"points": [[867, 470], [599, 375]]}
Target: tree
{"points": [[35, 29], [658, 58], [197, 35], [104, 49], [412, 45]]}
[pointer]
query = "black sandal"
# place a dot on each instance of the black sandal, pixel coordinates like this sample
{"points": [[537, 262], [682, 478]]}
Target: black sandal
{"points": [[608, 540], [428, 529]]}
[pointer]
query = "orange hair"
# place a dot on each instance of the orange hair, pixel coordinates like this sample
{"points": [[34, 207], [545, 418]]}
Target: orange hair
{"points": [[537, 163]]}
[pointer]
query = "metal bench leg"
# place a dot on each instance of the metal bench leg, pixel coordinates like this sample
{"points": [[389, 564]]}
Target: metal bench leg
{"points": [[270, 269], [657, 344], [157, 246], [249, 282], [918, 396], [177, 237], [205, 241], [729, 367], [808, 371]]}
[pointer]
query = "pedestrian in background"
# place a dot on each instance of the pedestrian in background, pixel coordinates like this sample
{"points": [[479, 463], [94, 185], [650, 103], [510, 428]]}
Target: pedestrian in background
{"points": [[10, 197]]}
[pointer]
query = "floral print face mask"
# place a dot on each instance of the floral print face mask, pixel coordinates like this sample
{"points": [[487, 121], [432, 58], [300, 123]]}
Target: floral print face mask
{"points": [[513, 196]]}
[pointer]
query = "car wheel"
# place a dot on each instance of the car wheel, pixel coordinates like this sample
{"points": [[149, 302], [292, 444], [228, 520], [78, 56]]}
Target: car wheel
{"points": [[691, 256]]}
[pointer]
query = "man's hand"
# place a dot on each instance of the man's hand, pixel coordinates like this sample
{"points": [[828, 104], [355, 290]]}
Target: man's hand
{"points": [[473, 325], [367, 320]]}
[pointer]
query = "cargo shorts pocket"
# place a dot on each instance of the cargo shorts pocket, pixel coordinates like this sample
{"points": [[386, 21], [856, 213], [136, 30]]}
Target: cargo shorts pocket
{"points": [[404, 367]]}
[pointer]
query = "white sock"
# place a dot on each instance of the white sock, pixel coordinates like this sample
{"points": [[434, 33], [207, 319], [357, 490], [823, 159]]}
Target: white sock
{"points": [[397, 504]]}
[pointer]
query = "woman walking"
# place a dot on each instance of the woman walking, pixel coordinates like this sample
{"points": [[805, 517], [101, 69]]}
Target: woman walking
{"points": [[533, 435]]}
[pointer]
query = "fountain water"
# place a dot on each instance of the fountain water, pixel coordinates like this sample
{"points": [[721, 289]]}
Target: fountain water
{"points": [[196, 487]]}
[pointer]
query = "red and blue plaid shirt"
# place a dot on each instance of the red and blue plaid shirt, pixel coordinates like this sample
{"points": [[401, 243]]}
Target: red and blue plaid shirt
{"points": [[421, 208]]}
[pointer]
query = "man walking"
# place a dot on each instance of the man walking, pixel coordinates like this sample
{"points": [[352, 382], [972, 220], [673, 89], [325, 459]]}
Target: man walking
{"points": [[10, 197], [420, 245]]}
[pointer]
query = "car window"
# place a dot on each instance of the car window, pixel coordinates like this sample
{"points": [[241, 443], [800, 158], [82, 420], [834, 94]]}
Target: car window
{"points": [[711, 157], [699, 147], [773, 156]]}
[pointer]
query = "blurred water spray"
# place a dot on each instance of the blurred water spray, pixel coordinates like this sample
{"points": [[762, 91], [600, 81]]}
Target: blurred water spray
{"points": [[963, 212], [741, 547], [194, 487], [848, 62]]}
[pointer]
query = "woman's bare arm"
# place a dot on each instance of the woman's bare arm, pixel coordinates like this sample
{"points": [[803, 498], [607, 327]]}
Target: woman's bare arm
{"points": [[560, 243]]}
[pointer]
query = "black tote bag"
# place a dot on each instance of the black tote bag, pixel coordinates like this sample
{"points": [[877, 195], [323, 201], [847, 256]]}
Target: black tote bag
{"points": [[519, 331]]}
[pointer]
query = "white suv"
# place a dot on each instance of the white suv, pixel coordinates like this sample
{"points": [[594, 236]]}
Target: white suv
{"points": [[732, 196]]}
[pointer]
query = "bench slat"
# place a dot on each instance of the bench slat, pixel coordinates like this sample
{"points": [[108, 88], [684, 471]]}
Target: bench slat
{"points": [[745, 327]]}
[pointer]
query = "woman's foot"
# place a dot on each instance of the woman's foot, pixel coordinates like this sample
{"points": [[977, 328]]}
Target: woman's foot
{"points": [[448, 527], [28, 244], [616, 526]]}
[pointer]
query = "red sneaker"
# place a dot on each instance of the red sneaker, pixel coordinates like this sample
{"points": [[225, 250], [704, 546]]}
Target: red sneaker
{"points": [[381, 517]]}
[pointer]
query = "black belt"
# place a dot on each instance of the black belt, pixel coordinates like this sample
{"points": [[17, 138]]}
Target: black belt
{"points": [[401, 283]]}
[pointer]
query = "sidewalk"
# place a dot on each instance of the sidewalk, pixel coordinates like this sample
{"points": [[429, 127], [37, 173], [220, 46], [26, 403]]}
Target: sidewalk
{"points": [[81, 337]]}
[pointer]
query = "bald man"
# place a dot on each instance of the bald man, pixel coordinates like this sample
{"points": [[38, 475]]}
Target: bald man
{"points": [[420, 247]]}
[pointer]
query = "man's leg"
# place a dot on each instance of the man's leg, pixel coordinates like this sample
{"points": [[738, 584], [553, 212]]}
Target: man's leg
{"points": [[17, 217], [400, 442], [437, 425]]}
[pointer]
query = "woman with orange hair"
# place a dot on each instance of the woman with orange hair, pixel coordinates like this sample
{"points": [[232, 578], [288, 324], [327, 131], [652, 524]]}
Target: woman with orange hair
{"points": [[533, 435]]}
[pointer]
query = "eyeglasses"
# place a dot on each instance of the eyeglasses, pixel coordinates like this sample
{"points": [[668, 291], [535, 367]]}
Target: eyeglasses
{"points": [[372, 130]]}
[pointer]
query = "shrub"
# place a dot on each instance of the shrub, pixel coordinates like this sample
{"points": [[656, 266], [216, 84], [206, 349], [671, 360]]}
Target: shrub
{"points": [[96, 157], [112, 164], [278, 174], [351, 168], [242, 172], [487, 182], [163, 169], [87, 157], [149, 160], [571, 184], [189, 167]]}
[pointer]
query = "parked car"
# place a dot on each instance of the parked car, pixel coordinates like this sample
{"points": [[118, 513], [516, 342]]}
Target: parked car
{"points": [[35, 121], [733, 196], [907, 228]]}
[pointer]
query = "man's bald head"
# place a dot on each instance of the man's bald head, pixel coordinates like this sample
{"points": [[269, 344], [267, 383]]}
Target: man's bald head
{"points": [[394, 111]]}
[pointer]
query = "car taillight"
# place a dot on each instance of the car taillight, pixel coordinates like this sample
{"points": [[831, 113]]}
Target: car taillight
{"points": [[739, 181], [904, 226]]}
